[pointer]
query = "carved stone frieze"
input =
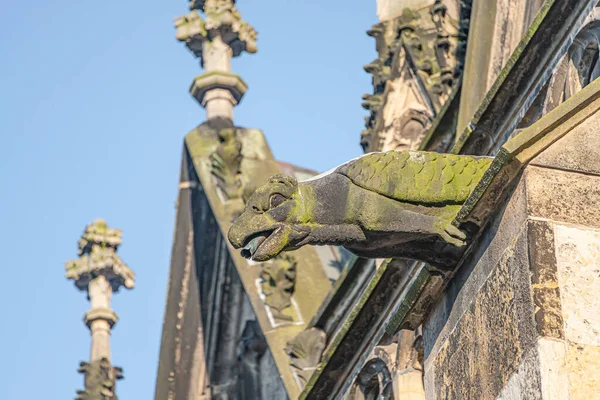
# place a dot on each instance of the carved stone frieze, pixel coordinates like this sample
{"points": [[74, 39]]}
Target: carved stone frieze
{"points": [[430, 37], [279, 279], [226, 165], [100, 380], [305, 352]]}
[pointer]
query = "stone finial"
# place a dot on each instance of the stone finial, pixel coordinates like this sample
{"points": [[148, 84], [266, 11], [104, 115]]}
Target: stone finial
{"points": [[191, 29], [98, 256], [222, 20]]}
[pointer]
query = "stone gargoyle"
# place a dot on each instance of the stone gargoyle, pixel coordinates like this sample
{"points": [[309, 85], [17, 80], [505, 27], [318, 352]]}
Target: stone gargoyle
{"points": [[380, 205]]}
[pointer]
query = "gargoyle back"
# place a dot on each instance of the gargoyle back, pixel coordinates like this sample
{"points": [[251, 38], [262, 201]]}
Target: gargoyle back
{"points": [[418, 177]]}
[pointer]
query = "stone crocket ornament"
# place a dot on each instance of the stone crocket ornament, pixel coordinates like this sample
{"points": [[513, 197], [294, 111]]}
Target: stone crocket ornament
{"points": [[393, 204]]}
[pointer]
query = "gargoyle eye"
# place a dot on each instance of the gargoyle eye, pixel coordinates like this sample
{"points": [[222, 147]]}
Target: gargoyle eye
{"points": [[276, 200]]}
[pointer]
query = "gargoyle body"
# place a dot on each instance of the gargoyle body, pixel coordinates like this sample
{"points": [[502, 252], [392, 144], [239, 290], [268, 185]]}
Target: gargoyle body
{"points": [[394, 204]]}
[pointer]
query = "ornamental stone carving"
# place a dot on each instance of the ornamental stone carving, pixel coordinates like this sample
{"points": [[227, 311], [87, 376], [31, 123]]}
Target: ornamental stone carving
{"points": [[226, 165], [191, 30], [223, 20], [373, 382], [279, 279], [100, 380], [380, 205], [305, 352], [416, 70]]}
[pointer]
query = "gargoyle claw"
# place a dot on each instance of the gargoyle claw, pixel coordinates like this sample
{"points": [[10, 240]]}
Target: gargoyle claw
{"points": [[453, 235]]}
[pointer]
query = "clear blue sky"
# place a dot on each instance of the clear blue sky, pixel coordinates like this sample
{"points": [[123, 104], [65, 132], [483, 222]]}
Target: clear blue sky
{"points": [[93, 110]]}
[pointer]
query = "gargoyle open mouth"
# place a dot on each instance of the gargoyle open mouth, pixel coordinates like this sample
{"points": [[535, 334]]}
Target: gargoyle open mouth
{"points": [[253, 243]]}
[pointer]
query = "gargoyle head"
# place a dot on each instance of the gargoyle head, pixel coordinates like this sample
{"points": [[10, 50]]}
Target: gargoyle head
{"points": [[271, 221]]}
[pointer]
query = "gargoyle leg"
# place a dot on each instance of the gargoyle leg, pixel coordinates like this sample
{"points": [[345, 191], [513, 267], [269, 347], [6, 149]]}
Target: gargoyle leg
{"points": [[453, 235]]}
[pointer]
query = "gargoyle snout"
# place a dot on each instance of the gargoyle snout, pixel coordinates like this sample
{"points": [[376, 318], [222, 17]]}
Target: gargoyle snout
{"points": [[247, 225], [235, 235]]}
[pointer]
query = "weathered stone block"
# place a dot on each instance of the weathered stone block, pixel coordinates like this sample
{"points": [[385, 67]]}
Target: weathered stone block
{"points": [[493, 335], [563, 196], [525, 382], [578, 257], [583, 364], [544, 279], [458, 296], [576, 151]]}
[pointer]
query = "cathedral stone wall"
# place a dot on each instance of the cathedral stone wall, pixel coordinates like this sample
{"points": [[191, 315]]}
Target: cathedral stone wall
{"points": [[520, 319]]}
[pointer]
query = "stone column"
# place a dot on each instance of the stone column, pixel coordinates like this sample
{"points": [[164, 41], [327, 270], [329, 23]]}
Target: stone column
{"points": [[99, 271], [215, 39], [100, 319]]}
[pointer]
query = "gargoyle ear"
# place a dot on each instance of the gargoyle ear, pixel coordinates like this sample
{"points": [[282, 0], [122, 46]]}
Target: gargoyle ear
{"points": [[287, 181]]}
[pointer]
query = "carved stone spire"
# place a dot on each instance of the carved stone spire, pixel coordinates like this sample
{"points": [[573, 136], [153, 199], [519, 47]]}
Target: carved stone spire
{"points": [[99, 271], [215, 39]]}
